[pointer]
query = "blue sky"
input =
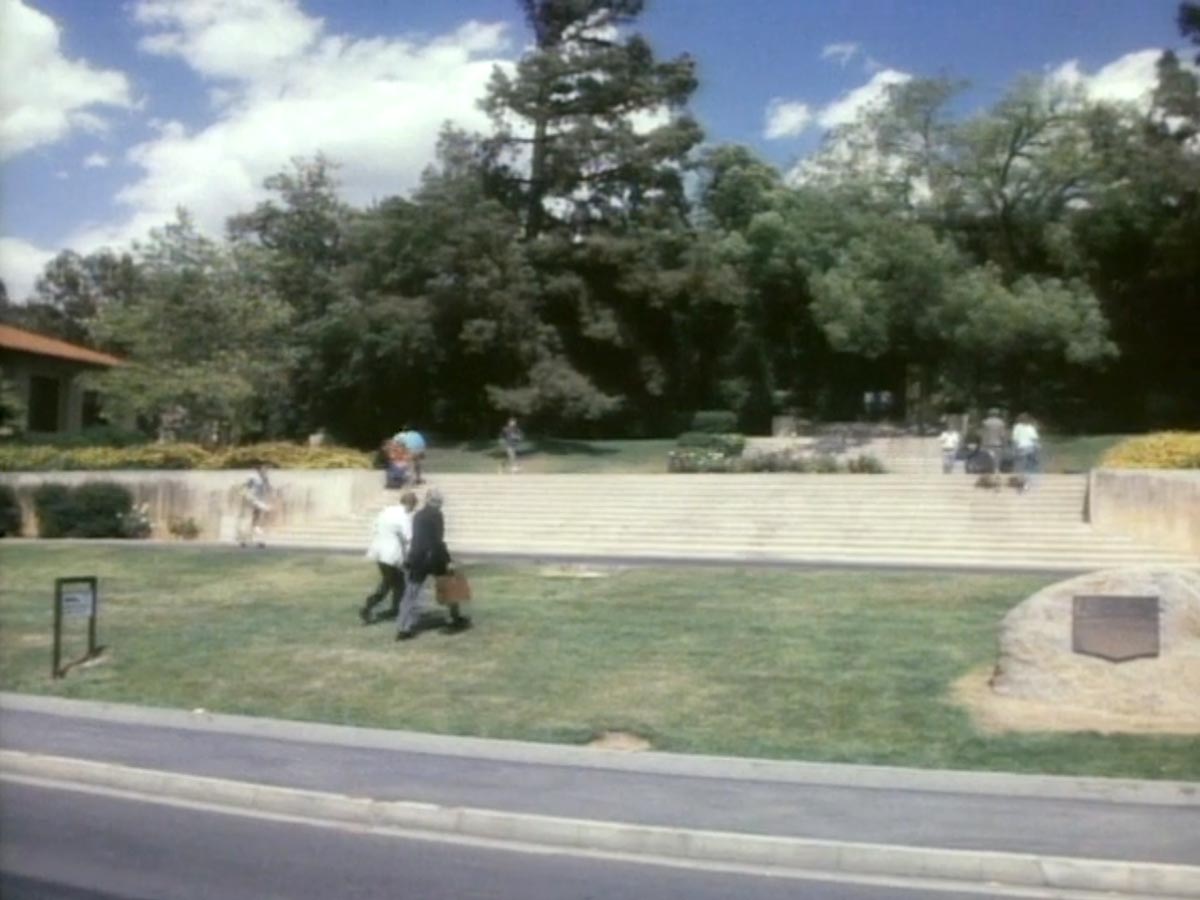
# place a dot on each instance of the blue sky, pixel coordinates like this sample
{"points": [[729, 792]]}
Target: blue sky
{"points": [[114, 113]]}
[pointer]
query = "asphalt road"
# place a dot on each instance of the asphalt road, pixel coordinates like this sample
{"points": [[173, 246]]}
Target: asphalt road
{"points": [[72, 845], [1018, 824]]}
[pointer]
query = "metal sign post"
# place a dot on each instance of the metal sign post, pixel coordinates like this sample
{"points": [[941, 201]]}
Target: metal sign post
{"points": [[75, 598]]}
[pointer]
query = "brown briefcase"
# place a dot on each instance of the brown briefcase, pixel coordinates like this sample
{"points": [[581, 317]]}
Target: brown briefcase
{"points": [[453, 588]]}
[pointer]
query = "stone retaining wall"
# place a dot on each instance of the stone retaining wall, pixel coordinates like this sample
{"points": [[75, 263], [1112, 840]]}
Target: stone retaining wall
{"points": [[1153, 505], [213, 499]]}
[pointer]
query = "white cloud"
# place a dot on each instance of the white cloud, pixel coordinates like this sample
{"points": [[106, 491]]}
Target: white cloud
{"points": [[96, 161], [1130, 78], [20, 265], [236, 39], [786, 118], [840, 53], [869, 96], [374, 106], [43, 95]]}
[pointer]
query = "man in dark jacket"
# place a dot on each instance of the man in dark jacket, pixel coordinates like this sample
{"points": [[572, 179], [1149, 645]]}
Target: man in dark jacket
{"points": [[427, 555]]}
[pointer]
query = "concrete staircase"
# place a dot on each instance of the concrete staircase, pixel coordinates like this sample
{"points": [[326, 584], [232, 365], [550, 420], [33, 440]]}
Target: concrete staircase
{"points": [[939, 521]]}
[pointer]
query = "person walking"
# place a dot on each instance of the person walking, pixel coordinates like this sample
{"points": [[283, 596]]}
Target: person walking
{"points": [[414, 442], [390, 540], [510, 439], [1026, 448], [950, 440], [992, 432], [256, 497], [427, 555]]}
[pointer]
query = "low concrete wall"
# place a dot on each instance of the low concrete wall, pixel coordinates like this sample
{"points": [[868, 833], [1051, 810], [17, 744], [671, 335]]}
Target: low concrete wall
{"points": [[213, 499], [1156, 506]]}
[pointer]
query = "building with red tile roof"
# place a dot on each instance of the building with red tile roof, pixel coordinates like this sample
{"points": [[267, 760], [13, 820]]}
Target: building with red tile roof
{"points": [[48, 376]]}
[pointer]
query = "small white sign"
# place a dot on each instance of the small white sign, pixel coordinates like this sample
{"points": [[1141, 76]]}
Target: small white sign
{"points": [[78, 603]]}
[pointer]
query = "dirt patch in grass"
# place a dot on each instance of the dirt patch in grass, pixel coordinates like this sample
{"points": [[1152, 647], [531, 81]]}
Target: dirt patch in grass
{"points": [[994, 714], [620, 740], [570, 570]]}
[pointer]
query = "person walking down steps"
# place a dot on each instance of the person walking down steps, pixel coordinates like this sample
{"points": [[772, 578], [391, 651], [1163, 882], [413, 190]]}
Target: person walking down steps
{"points": [[390, 540], [510, 439]]}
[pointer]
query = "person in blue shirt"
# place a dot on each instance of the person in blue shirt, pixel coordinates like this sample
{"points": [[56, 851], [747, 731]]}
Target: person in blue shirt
{"points": [[414, 443]]}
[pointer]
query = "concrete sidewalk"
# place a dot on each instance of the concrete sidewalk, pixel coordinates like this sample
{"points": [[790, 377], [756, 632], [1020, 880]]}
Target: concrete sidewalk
{"points": [[1081, 834]]}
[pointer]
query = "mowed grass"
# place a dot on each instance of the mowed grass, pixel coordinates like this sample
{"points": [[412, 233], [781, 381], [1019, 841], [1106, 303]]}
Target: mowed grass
{"points": [[1060, 453], [1076, 453], [556, 456], [808, 665]]}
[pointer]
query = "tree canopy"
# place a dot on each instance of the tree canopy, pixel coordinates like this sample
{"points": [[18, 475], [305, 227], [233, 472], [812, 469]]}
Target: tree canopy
{"points": [[590, 265]]}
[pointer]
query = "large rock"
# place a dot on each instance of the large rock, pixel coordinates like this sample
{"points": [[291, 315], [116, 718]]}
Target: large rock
{"points": [[1041, 679]]}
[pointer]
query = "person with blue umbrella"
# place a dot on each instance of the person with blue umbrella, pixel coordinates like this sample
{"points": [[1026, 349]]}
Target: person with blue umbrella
{"points": [[413, 441]]}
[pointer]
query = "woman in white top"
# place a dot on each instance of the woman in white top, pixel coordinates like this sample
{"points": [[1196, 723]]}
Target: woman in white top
{"points": [[390, 539], [1026, 443]]}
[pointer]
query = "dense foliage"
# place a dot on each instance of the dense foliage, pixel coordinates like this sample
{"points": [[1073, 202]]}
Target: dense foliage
{"points": [[43, 458], [589, 267]]}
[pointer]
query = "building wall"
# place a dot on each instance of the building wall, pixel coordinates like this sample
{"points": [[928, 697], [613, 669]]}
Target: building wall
{"points": [[21, 368], [213, 499]]}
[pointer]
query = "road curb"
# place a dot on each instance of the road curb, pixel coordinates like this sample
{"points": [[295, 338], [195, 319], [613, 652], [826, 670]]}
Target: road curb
{"points": [[1105, 790], [654, 843]]}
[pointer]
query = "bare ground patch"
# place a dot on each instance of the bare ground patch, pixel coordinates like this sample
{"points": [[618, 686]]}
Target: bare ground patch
{"points": [[994, 714]]}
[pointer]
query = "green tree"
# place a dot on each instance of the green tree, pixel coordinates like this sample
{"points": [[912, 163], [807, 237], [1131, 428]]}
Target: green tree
{"points": [[203, 336], [590, 129], [301, 231], [71, 290]]}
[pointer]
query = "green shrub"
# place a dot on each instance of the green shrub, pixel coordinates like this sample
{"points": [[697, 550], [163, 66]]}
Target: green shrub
{"points": [[692, 461], [1161, 450], [100, 509], [825, 465], [94, 436], [865, 464], [185, 529], [53, 505], [91, 510], [715, 421], [730, 445], [10, 511], [697, 460]]}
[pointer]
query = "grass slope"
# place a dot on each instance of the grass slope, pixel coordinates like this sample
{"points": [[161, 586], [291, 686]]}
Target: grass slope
{"points": [[835, 666]]}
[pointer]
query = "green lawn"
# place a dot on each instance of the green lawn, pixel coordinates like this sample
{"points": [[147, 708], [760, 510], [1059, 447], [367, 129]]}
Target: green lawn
{"points": [[567, 456], [811, 665], [1076, 453], [557, 456]]}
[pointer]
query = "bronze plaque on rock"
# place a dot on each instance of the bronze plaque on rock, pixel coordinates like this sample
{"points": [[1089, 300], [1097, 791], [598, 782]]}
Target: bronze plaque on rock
{"points": [[1114, 627]]}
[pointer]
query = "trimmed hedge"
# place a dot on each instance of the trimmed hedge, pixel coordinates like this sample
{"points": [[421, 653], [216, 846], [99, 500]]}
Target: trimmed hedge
{"points": [[1161, 450], [52, 504], [91, 510], [10, 512], [43, 458]]}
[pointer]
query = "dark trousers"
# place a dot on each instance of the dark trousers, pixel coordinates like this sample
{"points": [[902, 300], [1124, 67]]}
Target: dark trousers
{"points": [[391, 579]]}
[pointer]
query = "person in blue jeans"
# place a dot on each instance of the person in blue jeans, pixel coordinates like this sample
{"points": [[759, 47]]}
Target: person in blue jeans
{"points": [[427, 555]]}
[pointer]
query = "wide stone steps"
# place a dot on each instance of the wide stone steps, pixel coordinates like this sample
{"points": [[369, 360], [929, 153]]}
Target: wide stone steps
{"points": [[837, 519]]}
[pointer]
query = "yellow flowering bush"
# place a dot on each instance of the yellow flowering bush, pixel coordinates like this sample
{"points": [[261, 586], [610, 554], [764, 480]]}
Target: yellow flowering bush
{"points": [[43, 458], [281, 455], [1161, 450]]}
